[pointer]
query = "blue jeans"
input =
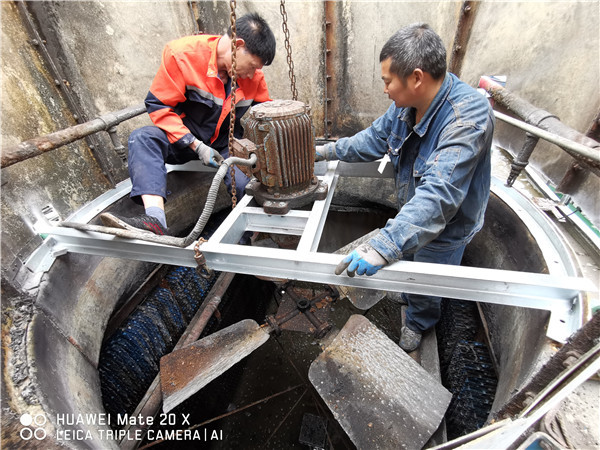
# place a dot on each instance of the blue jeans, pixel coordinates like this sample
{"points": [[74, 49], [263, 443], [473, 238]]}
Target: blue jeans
{"points": [[149, 150], [424, 311]]}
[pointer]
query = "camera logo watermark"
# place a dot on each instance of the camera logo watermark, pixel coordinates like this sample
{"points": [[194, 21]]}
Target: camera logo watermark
{"points": [[33, 427]]}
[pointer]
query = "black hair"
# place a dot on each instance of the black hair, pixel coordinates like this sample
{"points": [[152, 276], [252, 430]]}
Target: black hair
{"points": [[257, 35], [415, 46]]}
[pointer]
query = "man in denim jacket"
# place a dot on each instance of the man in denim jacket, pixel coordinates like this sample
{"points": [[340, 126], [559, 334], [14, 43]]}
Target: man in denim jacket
{"points": [[438, 135]]}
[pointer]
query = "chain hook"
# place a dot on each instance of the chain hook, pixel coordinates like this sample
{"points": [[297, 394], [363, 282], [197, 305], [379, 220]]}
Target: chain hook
{"points": [[202, 269]]}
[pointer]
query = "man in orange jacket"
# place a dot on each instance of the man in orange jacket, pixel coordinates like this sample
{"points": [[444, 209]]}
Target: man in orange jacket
{"points": [[189, 103]]}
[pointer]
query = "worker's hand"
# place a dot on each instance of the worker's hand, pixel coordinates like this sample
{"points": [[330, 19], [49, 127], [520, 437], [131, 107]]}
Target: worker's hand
{"points": [[364, 260], [208, 155], [320, 153], [325, 152]]}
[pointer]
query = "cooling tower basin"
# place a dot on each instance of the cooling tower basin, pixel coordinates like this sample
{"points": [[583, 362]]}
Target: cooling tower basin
{"points": [[80, 295]]}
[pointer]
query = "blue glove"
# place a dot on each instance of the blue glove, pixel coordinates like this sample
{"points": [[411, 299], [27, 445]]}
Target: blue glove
{"points": [[208, 155], [365, 260]]}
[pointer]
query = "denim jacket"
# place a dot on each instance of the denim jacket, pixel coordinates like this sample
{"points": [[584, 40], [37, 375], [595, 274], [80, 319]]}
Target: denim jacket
{"points": [[442, 168]]}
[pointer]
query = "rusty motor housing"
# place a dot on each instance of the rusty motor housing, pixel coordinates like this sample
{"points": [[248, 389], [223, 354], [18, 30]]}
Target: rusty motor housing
{"points": [[281, 134]]}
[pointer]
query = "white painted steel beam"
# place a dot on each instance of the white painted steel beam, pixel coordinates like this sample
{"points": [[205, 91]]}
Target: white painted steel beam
{"points": [[531, 290], [558, 292], [525, 289], [61, 240], [309, 242]]}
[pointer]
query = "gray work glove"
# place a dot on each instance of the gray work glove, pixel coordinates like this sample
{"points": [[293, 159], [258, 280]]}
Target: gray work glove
{"points": [[208, 155], [325, 153], [364, 260], [319, 153]]}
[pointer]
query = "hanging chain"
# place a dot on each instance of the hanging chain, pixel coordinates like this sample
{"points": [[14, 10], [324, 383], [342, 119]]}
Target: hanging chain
{"points": [[288, 48], [232, 3]]}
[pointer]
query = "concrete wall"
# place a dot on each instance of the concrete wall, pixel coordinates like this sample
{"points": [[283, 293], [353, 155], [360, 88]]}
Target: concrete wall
{"points": [[32, 105], [550, 53], [109, 52]]}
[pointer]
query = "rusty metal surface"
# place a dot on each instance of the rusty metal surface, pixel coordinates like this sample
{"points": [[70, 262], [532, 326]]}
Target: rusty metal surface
{"points": [[37, 146], [187, 370], [242, 148], [278, 203], [277, 109], [466, 19], [331, 100], [283, 133], [314, 318], [284, 142], [379, 394]]}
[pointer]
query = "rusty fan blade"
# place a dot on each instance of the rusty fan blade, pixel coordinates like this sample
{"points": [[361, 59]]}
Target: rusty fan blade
{"points": [[187, 370]]}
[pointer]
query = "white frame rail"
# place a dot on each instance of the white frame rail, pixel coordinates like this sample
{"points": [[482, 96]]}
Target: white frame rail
{"points": [[559, 292]]}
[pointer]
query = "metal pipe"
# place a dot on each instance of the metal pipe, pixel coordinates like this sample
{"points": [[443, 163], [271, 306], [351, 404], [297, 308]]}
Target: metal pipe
{"points": [[576, 149], [544, 124], [574, 178], [151, 402], [208, 308], [522, 159], [41, 144], [119, 147]]}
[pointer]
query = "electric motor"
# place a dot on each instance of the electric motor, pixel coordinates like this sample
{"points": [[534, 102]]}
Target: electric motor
{"points": [[281, 134]]}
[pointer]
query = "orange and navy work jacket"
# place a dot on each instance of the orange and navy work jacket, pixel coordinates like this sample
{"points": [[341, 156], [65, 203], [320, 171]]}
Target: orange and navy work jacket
{"points": [[188, 100]]}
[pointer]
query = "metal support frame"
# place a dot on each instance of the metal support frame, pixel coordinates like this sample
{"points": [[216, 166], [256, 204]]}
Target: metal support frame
{"points": [[468, 12], [532, 290], [558, 292]]}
